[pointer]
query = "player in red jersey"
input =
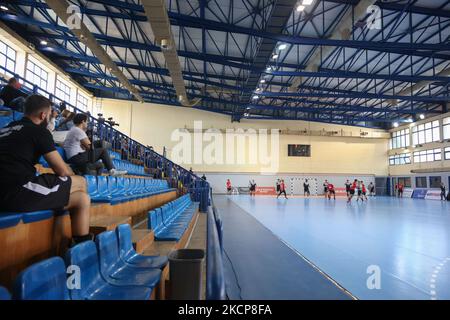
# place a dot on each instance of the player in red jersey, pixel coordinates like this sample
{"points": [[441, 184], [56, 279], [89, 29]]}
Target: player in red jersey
{"points": [[331, 191], [352, 190], [364, 190]]}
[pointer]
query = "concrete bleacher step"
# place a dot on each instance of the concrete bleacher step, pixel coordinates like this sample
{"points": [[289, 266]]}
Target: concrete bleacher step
{"points": [[100, 224], [142, 239]]}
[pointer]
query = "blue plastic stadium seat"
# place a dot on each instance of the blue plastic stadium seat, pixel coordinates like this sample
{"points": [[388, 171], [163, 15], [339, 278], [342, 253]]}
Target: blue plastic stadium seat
{"points": [[45, 280], [129, 255], [36, 216], [170, 222], [8, 220], [61, 152], [91, 182], [117, 272], [103, 194], [93, 286], [4, 294]]}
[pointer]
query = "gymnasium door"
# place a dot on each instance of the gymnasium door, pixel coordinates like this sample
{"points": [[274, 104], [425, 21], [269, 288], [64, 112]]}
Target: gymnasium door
{"points": [[382, 186]]}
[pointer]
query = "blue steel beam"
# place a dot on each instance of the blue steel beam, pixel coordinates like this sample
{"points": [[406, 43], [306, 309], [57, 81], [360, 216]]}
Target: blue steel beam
{"points": [[197, 22]]}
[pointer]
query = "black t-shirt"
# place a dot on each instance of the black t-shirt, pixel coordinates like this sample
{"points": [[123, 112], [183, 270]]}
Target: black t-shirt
{"points": [[9, 93], [22, 143]]}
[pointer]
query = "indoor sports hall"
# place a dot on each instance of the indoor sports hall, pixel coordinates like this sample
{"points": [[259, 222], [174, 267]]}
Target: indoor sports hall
{"points": [[224, 150]]}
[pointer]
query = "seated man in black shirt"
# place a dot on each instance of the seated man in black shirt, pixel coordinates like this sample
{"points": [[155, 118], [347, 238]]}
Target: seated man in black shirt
{"points": [[22, 143], [11, 95]]}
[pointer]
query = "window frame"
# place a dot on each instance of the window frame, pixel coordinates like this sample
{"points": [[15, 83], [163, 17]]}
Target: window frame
{"points": [[426, 133], [61, 86], [430, 155], [400, 139], [7, 58], [80, 104]]}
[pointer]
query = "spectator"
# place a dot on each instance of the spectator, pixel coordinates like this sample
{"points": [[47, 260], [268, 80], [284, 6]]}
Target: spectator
{"points": [[203, 177], [12, 96], [65, 120], [22, 143], [52, 122], [78, 147]]}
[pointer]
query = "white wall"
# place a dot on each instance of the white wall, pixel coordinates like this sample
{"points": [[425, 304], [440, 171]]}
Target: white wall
{"points": [[154, 125]]}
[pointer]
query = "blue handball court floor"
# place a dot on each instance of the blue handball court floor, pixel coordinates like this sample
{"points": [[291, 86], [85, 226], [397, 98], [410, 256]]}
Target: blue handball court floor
{"points": [[386, 248]]}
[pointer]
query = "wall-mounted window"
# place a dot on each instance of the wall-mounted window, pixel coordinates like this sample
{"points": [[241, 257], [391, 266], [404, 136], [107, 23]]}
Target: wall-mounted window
{"points": [[421, 182], [399, 139], [435, 182], [36, 75], [400, 159], [7, 59], [406, 181], [427, 155], [447, 153], [82, 102], [446, 127], [426, 133], [62, 91]]}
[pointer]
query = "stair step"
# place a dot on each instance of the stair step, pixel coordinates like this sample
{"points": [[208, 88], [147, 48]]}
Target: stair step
{"points": [[100, 224], [161, 248], [142, 239]]}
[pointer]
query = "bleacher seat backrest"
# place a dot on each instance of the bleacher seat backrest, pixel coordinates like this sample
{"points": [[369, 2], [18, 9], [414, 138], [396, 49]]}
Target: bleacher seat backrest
{"points": [[8, 220], [85, 256], [151, 185], [112, 184], [159, 217], [108, 251], [45, 280], [167, 213], [35, 216], [61, 152], [4, 294], [153, 219], [138, 186], [137, 182], [120, 185], [132, 185], [91, 185], [102, 185], [141, 185], [126, 185], [123, 232]]}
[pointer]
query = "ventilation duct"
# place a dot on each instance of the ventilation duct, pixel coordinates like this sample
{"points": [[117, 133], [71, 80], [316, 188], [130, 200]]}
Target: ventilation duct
{"points": [[65, 13]]}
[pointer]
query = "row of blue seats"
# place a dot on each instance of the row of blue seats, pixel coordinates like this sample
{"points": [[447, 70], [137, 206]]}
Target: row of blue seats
{"points": [[131, 168], [114, 154], [115, 190], [109, 269], [11, 219], [61, 152], [6, 119], [170, 221]]}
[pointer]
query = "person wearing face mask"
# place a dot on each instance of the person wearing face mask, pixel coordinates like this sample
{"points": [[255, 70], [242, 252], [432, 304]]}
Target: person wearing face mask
{"points": [[22, 143], [12, 96]]}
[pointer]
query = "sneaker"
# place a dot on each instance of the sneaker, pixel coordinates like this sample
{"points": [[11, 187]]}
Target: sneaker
{"points": [[114, 172]]}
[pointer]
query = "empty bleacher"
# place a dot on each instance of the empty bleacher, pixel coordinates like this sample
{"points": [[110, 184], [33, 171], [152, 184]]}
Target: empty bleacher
{"points": [[110, 267]]}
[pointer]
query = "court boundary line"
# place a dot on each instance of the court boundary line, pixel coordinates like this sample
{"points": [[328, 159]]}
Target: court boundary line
{"points": [[315, 267]]}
